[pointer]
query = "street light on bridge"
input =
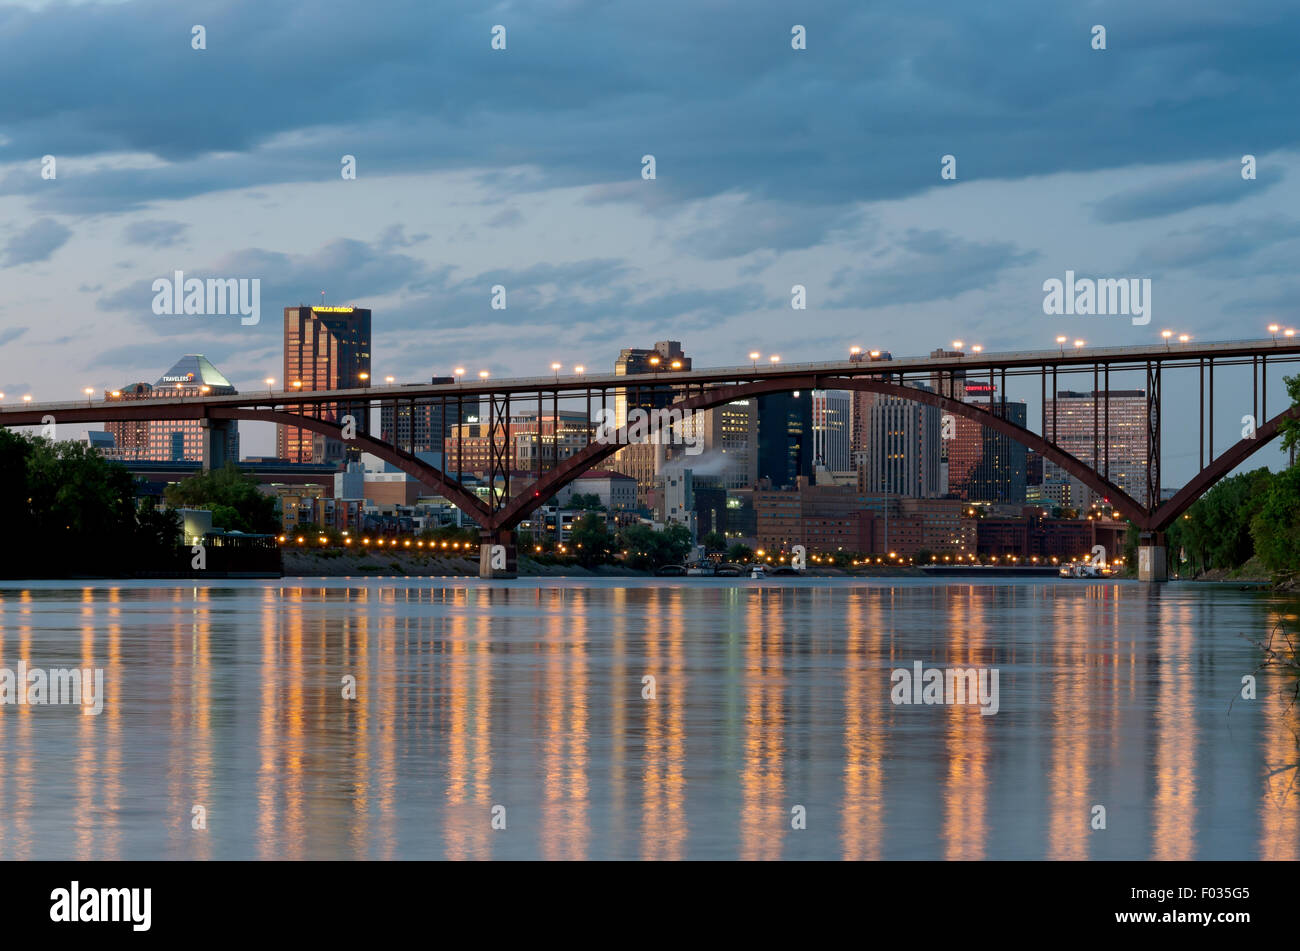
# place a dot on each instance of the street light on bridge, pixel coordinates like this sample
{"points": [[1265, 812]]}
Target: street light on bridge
{"points": [[977, 348], [364, 377], [579, 369], [1078, 343], [482, 374], [775, 359], [753, 356], [458, 373], [957, 344], [1288, 332], [270, 381], [677, 364], [1166, 334], [1060, 342], [555, 367], [27, 397], [1183, 338], [389, 380]]}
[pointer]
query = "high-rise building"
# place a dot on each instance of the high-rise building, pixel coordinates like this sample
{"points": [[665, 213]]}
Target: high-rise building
{"points": [[785, 449], [639, 460], [862, 401], [901, 456], [1073, 420], [159, 440], [832, 419], [983, 464], [325, 348], [727, 437]]}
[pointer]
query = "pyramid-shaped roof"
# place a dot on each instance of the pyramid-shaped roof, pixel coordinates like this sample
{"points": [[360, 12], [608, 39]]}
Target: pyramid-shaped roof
{"points": [[193, 369]]}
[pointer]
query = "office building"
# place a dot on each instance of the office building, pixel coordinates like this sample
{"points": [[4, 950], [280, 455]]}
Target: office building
{"points": [[785, 452], [170, 440], [901, 453], [983, 464], [1117, 420], [325, 348]]}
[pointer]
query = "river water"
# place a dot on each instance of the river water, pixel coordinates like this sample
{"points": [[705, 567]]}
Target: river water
{"points": [[516, 720]]}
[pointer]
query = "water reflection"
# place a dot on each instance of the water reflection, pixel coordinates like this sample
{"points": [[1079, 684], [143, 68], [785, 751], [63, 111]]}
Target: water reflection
{"points": [[372, 719]]}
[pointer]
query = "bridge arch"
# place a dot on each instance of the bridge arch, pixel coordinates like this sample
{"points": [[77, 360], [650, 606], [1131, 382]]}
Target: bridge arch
{"points": [[413, 466], [543, 489]]}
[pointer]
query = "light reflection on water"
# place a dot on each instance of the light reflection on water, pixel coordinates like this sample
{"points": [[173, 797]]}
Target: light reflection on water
{"points": [[534, 696]]}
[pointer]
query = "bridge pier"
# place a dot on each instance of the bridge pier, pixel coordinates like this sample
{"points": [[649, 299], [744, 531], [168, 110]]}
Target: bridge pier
{"points": [[498, 556], [216, 442], [1152, 555]]}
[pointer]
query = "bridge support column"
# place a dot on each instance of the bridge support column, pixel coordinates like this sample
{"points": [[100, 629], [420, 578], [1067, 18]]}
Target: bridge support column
{"points": [[216, 440], [497, 555], [1152, 556]]}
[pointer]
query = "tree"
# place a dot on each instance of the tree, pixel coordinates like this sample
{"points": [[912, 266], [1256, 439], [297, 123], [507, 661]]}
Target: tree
{"points": [[1290, 426], [590, 539], [242, 505], [714, 541], [1275, 529], [649, 549], [739, 553]]}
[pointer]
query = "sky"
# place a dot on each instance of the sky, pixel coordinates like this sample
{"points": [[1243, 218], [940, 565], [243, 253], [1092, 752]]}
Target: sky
{"points": [[522, 167]]}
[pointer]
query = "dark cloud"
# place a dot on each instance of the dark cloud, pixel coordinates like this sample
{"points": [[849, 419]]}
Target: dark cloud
{"points": [[1227, 250], [1220, 185], [585, 89], [37, 242], [924, 266]]}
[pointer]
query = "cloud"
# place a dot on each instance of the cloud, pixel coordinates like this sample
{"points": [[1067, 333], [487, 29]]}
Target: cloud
{"points": [[154, 234], [36, 243], [1220, 250], [10, 335], [1220, 185], [926, 266]]}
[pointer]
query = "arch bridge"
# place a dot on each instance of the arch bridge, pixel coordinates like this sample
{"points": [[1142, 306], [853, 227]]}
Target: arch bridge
{"points": [[523, 470]]}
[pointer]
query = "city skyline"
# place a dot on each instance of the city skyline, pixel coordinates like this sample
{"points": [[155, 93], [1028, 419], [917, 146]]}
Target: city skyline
{"points": [[592, 256]]}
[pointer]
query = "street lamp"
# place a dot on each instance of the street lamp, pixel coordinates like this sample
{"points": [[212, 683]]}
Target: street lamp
{"points": [[753, 356], [957, 344], [388, 380], [854, 351], [364, 378], [1183, 338], [482, 374], [458, 373], [1078, 343], [88, 391], [977, 348], [27, 397], [677, 364], [555, 367], [579, 369], [775, 359], [1288, 332], [1273, 329], [270, 381], [297, 384], [1166, 334]]}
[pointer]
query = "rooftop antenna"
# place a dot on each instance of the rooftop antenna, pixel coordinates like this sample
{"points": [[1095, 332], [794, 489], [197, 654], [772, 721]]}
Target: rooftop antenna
{"points": [[322, 298]]}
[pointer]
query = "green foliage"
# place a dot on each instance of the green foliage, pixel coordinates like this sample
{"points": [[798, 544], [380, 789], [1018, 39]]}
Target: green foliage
{"points": [[1290, 427], [590, 540], [714, 541], [739, 553], [75, 513], [648, 549], [1275, 528], [589, 502], [242, 505]]}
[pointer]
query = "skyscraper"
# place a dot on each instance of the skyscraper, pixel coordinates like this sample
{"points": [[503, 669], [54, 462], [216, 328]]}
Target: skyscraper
{"points": [[160, 440], [832, 417], [325, 348], [983, 464], [785, 449], [638, 460], [902, 448], [421, 426], [1118, 421]]}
